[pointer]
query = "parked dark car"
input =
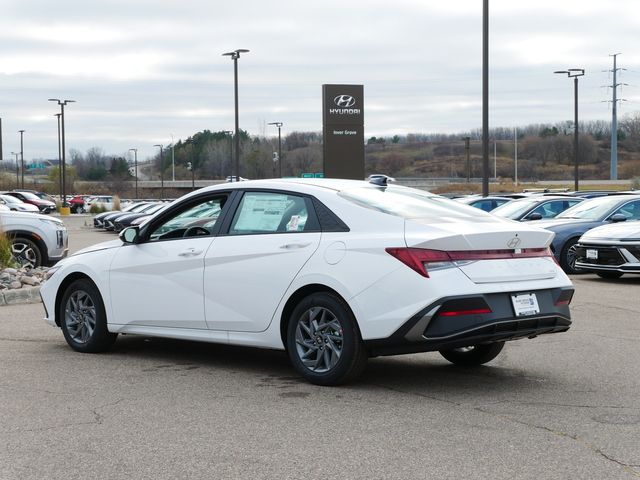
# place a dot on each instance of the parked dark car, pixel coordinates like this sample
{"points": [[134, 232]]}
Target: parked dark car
{"points": [[571, 224], [45, 206], [536, 207], [108, 220], [124, 221], [484, 203]]}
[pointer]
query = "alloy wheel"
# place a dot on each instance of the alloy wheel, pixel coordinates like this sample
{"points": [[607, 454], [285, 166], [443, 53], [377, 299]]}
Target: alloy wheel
{"points": [[80, 316], [319, 339], [24, 254]]}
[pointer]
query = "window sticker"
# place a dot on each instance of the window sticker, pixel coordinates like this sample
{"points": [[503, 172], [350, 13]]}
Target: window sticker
{"points": [[262, 212]]}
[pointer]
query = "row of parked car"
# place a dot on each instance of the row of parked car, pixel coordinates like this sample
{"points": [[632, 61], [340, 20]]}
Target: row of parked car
{"points": [[594, 230]]}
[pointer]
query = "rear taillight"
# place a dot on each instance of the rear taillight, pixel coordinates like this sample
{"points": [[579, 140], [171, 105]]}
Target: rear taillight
{"points": [[421, 259]]}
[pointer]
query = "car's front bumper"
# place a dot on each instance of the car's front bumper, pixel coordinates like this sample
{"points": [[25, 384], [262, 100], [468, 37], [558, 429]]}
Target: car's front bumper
{"points": [[491, 318], [608, 258]]}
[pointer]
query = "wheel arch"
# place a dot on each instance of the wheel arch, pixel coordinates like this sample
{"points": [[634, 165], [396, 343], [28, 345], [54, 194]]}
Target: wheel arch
{"points": [[63, 286], [298, 295]]}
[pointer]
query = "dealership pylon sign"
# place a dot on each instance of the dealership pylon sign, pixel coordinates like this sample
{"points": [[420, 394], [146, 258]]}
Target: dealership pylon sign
{"points": [[343, 131]]}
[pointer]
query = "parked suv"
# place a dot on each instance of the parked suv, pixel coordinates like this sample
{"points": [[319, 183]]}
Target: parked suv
{"points": [[36, 239]]}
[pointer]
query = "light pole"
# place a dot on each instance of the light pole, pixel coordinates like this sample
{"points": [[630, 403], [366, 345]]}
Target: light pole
{"points": [[161, 173], [62, 103], [574, 73], [17, 169], [235, 55], [22, 156], [230, 133], [279, 125], [135, 166], [58, 115], [173, 160]]}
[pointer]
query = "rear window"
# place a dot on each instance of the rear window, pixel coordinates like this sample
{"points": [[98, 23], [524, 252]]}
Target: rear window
{"points": [[410, 203]]}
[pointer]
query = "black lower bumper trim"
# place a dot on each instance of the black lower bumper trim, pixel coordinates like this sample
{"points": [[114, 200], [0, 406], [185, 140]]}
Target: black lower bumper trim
{"points": [[500, 325]]}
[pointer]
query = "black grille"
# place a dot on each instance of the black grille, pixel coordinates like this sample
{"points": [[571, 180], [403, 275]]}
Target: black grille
{"points": [[606, 255]]}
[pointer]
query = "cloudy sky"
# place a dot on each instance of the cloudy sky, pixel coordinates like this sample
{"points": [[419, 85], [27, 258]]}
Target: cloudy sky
{"points": [[142, 71]]}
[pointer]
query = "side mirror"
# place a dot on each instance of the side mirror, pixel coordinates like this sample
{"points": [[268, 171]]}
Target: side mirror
{"points": [[130, 234], [618, 217], [534, 216]]}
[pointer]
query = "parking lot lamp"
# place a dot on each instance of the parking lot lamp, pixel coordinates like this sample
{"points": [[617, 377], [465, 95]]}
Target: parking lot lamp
{"points": [[17, 169], [574, 73], [235, 55], [22, 156], [279, 125], [161, 172], [135, 167], [58, 115], [230, 133], [62, 103]]}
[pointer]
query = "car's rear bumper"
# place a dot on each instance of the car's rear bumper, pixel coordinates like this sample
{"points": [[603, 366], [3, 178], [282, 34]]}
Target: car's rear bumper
{"points": [[491, 318]]}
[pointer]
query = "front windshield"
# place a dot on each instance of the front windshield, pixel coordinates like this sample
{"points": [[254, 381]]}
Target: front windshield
{"points": [[410, 203], [29, 195], [515, 208], [592, 209]]}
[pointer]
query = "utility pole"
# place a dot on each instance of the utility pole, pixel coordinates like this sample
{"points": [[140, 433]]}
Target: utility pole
{"points": [[467, 141], [1, 157], [614, 119]]}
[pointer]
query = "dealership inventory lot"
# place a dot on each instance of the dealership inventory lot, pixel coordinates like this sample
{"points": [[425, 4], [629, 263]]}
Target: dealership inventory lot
{"points": [[564, 406]]}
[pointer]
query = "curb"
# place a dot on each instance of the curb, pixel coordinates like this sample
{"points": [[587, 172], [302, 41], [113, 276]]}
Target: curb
{"points": [[20, 296]]}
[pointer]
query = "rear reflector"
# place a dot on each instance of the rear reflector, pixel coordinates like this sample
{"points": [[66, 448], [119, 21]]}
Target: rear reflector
{"points": [[455, 313], [418, 258]]}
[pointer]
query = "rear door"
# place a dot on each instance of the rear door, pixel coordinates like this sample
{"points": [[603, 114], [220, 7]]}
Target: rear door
{"points": [[249, 268]]}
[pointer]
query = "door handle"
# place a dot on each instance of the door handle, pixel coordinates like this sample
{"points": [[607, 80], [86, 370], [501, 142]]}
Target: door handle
{"points": [[190, 252], [291, 246]]}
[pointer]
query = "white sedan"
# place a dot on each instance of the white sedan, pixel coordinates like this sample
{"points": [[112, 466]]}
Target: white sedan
{"points": [[332, 271]]}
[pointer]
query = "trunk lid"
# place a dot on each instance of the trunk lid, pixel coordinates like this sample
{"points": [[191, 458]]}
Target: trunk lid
{"points": [[482, 234]]}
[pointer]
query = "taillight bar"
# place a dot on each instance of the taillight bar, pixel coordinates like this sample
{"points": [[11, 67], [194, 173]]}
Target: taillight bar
{"points": [[415, 258]]}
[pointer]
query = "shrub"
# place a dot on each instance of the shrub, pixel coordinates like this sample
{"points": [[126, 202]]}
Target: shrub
{"points": [[116, 202], [6, 257], [96, 208], [635, 183]]}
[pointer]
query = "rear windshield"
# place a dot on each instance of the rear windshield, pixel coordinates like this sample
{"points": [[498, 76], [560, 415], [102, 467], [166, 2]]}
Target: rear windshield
{"points": [[409, 203]]}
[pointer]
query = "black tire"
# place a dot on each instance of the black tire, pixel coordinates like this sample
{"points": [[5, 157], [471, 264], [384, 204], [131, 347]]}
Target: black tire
{"points": [[473, 355], [609, 275], [568, 257], [83, 318], [26, 252], [337, 332]]}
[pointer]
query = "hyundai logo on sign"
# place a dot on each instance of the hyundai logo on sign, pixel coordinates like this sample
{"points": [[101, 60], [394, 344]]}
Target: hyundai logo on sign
{"points": [[345, 102]]}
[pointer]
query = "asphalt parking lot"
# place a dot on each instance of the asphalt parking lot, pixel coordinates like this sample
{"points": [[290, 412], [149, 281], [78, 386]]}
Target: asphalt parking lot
{"points": [[561, 406]]}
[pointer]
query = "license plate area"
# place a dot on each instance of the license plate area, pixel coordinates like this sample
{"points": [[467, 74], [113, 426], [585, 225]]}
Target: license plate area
{"points": [[525, 304], [591, 254]]}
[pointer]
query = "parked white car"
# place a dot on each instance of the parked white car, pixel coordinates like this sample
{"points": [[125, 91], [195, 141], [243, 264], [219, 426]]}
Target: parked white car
{"points": [[332, 271], [36, 239], [17, 205]]}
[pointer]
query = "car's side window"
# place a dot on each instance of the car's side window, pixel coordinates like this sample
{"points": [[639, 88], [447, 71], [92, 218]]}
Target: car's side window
{"points": [[197, 219], [630, 210], [266, 212]]}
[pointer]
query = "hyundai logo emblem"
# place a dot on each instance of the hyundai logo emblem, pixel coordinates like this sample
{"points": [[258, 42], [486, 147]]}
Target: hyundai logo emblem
{"points": [[344, 101], [514, 242]]}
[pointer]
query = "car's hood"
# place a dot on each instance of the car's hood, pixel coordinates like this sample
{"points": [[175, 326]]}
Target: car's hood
{"points": [[27, 216], [100, 246], [615, 231]]}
